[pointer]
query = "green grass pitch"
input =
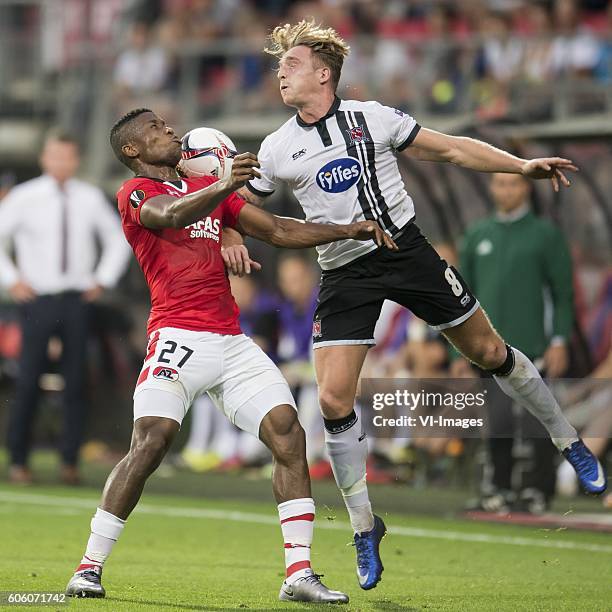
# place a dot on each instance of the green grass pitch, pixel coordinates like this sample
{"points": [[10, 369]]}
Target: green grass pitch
{"points": [[183, 553]]}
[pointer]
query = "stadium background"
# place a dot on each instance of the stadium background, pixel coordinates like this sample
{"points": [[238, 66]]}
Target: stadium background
{"points": [[533, 77]]}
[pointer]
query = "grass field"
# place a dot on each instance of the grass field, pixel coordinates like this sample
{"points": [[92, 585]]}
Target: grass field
{"points": [[189, 553]]}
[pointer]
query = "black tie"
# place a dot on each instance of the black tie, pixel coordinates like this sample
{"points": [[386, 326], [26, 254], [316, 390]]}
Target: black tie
{"points": [[64, 230]]}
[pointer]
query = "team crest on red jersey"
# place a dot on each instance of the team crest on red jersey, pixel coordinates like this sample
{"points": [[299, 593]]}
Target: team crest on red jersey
{"points": [[136, 197], [357, 135]]}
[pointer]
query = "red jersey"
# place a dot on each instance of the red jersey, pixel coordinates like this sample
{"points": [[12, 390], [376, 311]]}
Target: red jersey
{"points": [[183, 267]]}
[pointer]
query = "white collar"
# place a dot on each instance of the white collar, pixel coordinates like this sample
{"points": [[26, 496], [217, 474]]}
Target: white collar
{"points": [[55, 184], [513, 215]]}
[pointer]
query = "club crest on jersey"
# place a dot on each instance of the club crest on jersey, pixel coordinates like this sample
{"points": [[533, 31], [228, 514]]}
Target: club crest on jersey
{"points": [[316, 328], [339, 175], [165, 373], [136, 197], [357, 135]]}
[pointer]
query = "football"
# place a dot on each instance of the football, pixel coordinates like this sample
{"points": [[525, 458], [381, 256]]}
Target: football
{"points": [[206, 152]]}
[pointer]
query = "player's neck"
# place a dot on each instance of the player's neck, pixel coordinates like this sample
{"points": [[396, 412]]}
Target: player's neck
{"points": [[164, 173], [314, 109]]}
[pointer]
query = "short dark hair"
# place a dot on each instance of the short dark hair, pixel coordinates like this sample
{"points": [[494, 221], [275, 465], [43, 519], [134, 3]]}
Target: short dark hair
{"points": [[121, 133]]}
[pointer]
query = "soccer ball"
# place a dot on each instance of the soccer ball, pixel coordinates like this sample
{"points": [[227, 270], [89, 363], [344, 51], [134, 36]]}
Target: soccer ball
{"points": [[206, 152]]}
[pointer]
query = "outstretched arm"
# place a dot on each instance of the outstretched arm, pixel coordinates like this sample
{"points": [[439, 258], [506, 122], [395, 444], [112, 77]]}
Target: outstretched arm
{"points": [[294, 234], [430, 145]]}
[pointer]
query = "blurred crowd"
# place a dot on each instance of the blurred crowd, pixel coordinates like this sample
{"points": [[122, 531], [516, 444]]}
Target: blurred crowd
{"points": [[498, 58]]}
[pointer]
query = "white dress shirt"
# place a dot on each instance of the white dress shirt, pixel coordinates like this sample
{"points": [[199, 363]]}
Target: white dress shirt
{"points": [[56, 247]]}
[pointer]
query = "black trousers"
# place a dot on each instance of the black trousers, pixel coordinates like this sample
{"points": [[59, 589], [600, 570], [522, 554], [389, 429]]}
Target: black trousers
{"points": [[64, 315], [504, 426]]}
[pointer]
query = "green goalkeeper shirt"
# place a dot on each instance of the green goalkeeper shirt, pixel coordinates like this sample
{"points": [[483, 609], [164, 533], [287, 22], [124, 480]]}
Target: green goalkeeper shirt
{"points": [[510, 265]]}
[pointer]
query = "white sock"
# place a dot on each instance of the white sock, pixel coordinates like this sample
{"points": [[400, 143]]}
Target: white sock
{"points": [[347, 448], [359, 507], [524, 384], [105, 531], [297, 524]]}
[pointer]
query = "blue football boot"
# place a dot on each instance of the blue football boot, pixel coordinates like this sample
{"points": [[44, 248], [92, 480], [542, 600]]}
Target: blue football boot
{"points": [[591, 475], [369, 564]]}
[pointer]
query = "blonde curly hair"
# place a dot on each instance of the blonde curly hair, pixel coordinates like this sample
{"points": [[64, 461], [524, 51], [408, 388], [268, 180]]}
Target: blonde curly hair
{"points": [[327, 46]]}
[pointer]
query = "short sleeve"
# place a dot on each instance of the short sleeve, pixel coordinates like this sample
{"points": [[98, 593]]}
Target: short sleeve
{"points": [[232, 205], [266, 183], [399, 127], [132, 195]]}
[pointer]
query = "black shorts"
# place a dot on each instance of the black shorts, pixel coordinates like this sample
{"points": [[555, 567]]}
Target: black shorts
{"points": [[351, 296]]}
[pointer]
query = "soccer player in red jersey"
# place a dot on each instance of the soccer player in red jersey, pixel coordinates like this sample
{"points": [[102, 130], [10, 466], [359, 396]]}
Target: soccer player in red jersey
{"points": [[174, 226]]}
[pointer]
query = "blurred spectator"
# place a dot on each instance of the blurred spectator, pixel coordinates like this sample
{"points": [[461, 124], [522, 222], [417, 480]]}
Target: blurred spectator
{"points": [[442, 59], [511, 261], [54, 221], [143, 66], [385, 358], [600, 322], [499, 63], [297, 282], [502, 51], [603, 70], [575, 50], [141, 72], [538, 60]]}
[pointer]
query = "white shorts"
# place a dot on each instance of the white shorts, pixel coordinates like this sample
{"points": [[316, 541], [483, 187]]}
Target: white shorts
{"points": [[238, 376]]}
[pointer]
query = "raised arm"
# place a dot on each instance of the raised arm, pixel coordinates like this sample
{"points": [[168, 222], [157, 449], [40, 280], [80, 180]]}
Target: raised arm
{"points": [[295, 234], [165, 211], [430, 145]]}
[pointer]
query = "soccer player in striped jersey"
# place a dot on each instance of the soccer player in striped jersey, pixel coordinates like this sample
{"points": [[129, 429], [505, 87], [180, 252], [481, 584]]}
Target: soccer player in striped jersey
{"points": [[339, 158]]}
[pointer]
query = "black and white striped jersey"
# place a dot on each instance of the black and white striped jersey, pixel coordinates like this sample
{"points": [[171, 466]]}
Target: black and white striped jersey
{"points": [[342, 168]]}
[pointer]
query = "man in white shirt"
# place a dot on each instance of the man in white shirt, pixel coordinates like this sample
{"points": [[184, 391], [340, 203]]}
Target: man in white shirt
{"points": [[143, 66], [53, 221], [339, 158]]}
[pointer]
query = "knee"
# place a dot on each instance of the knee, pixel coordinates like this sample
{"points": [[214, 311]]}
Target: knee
{"points": [[289, 442], [488, 352], [335, 405], [149, 450]]}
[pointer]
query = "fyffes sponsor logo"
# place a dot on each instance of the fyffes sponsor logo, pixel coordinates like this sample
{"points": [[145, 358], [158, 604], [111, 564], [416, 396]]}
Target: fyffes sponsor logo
{"points": [[339, 175]]}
